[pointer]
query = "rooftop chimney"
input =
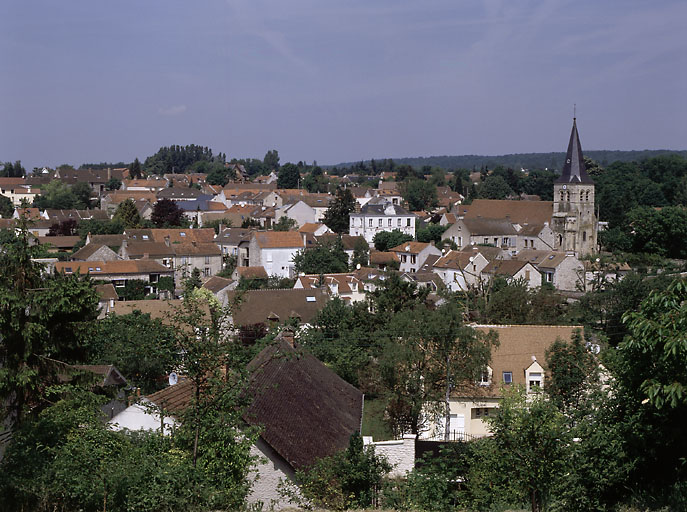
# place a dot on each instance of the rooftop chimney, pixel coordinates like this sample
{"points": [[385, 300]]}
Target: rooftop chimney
{"points": [[288, 335]]}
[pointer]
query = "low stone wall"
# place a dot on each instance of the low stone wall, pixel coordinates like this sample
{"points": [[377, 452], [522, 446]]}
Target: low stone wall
{"points": [[400, 453]]}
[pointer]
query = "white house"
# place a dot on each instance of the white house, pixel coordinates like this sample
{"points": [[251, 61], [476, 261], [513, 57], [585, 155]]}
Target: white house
{"points": [[376, 217], [274, 250], [413, 255], [460, 270]]}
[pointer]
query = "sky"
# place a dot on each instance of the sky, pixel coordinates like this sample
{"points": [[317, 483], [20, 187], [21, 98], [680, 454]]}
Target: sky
{"points": [[334, 81]]}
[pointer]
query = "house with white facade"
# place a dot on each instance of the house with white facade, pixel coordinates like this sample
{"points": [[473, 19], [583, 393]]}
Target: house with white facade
{"points": [[560, 269], [513, 270], [378, 216], [460, 270], [413, 255], [274, 250], [345, 286]]}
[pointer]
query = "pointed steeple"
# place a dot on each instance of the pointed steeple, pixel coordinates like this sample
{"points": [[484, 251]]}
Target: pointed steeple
{"points": [[574, 170]]}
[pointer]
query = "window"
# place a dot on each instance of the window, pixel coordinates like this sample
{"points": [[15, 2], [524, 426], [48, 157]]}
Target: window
{"points": [[404, 258], [496, 241], [206, 271], [413, 259], [389, 223], [68, 270], [408, 222], [182, 234], [486, 240], [534, 381], [584, 236], [507, 377], [145, 237], [90, 269], [207, 260], [506, 240], [398, 222], [380, 222], [370, 223], [548, 276], [484, 379]]}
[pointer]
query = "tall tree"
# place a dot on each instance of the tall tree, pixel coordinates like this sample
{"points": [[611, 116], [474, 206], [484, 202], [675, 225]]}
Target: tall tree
{"points": [[128, 215], [337, 216], [41, 319], [167, 213], [325, 258], [271, 160], [289, 176], [135, 171]]}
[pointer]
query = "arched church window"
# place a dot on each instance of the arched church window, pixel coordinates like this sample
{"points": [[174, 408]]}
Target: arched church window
{"points": [[587, 195], [560, 240], [568, 195], [562, 195], [584, 236]]}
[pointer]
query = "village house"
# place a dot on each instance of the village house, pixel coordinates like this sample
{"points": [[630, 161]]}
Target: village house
{"points": [[95, 252], [345, 286], [291, 391], [119, 272], [412, 255], [562, 270], [378, 216], [273, 250], [519, 360], [513, 270], [18, 190], [459, 270]]}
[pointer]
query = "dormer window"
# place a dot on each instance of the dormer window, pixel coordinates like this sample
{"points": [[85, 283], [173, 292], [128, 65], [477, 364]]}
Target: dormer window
{"points": [[534, 381], [508, 377], [182, 233]]}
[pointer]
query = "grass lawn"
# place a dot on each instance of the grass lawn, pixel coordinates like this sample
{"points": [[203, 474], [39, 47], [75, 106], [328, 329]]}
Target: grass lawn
{"points": [[373, 420]]}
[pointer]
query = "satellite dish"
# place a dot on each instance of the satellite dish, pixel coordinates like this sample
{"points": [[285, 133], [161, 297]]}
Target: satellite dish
{"points": [[472, 258], [357, 266], [173, 378], [534, 358]]}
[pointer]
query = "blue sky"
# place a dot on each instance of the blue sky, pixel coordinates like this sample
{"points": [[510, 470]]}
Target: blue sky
{"points": [[86, 81]]}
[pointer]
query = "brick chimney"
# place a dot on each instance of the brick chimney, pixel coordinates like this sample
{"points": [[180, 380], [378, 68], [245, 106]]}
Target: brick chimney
{"points": [[288, 335]]}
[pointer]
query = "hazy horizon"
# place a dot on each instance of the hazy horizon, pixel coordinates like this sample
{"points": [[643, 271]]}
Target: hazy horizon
{"points": [[89, 82]]}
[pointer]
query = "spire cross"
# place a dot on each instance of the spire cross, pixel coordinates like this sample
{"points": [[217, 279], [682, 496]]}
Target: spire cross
{"points": [[574, 110]]}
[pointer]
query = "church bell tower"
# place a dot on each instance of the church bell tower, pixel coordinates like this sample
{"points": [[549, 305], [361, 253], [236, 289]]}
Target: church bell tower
{"points": [[574, 222]]}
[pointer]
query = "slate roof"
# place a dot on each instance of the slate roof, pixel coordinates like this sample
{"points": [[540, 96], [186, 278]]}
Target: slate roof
{"points": [[109, 240], [574, 170], [179, 193], [305, 410], [348, 241], [384, 208]]}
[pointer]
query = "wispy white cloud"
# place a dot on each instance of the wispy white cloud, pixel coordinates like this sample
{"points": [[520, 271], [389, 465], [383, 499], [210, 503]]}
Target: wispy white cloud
{"points": [[174, 110]]}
